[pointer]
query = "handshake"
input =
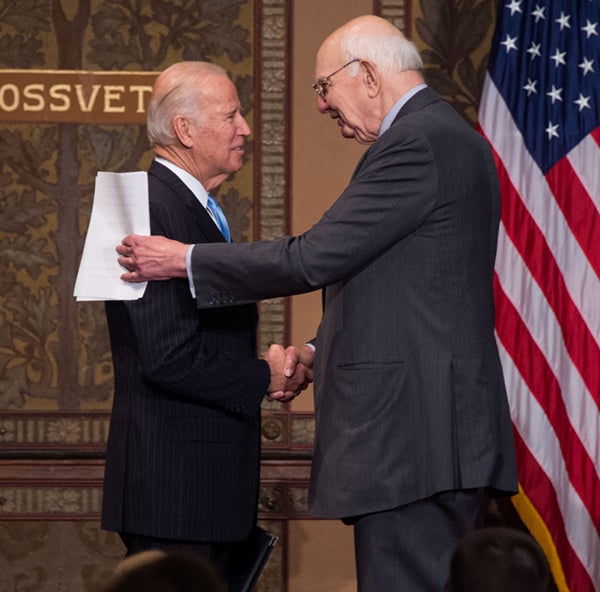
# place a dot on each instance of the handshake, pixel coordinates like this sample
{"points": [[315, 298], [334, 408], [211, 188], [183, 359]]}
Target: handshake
{"points": [[291, 371]]}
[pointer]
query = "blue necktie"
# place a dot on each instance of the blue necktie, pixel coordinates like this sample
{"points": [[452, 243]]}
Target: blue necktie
{"points": [[217, 212]]}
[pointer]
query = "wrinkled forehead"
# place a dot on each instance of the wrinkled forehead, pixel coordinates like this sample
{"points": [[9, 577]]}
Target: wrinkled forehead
{"points": [[328, 57]]}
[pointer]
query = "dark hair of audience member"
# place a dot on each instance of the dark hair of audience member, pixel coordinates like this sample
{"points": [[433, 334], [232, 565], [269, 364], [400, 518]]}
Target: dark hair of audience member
{"points": [[499, 560], [167, 572]]}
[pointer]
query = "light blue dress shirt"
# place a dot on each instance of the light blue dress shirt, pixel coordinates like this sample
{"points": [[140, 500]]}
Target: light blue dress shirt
{"points": [[389, 118]]}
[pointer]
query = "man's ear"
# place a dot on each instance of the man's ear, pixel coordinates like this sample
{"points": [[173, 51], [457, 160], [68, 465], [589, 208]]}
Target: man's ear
{"points": [[371, 78], [181, 125]]}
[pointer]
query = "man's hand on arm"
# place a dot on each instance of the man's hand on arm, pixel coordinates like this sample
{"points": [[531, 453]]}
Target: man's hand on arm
{"points": [[151, 258], [291, 371]]}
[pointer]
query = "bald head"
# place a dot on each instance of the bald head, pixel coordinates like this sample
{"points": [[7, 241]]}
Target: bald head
{"points": [[371, 38], [369, 25]]}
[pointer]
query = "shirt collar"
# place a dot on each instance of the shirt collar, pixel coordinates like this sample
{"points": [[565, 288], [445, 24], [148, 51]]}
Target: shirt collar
{"points": [[190, 181], [389, 118]]}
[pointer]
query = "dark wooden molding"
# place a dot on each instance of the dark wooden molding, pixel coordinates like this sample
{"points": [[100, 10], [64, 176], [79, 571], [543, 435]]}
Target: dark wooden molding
{"points": [[69, 487]]}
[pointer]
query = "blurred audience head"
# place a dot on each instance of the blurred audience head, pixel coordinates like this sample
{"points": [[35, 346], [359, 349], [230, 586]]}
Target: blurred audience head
{"points": [[499, 560], [157, 571]]}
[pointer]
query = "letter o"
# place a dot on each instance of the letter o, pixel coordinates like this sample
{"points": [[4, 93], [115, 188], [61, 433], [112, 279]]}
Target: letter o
{"points": [[3, 90]]}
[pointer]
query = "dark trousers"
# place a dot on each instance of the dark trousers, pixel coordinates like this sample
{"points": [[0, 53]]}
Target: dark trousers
{"points": [[408, 549], [232, 559]]}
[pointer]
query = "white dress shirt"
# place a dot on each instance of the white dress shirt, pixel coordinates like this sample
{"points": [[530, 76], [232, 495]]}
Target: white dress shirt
{"points": [[201, 195]]}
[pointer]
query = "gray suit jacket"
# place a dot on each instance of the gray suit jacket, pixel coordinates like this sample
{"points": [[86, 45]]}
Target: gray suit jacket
{"points": [[409, 392]]}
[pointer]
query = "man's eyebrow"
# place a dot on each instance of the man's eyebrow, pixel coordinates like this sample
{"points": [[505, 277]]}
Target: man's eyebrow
{"points": [[232, 112]]}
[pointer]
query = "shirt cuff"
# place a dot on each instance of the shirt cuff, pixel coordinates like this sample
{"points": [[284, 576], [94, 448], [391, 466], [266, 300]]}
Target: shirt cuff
{"points": [[188, 266]]}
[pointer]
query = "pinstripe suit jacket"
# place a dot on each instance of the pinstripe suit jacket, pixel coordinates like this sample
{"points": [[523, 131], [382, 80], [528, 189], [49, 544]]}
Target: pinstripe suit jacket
{"points": [[183, 451], [409, 392]]}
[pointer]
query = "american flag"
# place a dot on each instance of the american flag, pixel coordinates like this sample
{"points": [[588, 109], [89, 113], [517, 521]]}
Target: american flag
{"points": [[540, 110]]}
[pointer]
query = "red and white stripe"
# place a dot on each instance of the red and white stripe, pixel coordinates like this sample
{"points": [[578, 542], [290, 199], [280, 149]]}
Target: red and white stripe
{"points": [[547, 286]]}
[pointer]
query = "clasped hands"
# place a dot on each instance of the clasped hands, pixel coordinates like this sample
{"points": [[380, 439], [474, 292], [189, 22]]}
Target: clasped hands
{"points": [[291, 371]]}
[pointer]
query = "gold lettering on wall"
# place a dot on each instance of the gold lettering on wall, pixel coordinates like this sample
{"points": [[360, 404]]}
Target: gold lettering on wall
{"points": [[74, 96]]}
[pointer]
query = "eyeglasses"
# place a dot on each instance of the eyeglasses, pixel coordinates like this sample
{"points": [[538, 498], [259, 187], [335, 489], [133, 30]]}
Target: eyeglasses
{"points": [[321, 86]]}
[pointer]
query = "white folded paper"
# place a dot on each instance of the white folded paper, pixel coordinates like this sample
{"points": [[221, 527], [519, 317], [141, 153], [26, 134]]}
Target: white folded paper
{"points": [[120, 208]]}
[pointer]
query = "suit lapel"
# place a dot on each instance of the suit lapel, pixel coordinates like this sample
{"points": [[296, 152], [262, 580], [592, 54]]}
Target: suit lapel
{"points": [[198, 213]]}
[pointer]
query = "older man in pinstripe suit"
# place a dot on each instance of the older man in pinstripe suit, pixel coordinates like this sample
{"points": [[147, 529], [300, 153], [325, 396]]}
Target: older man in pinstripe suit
{"points": [[183, 455]]}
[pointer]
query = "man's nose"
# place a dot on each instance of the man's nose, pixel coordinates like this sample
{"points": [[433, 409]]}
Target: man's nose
{"points": [[322, 105], [244, 128]]}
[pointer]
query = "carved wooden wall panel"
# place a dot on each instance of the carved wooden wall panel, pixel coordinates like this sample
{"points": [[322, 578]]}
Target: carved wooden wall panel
{"points": [[74, 81]]}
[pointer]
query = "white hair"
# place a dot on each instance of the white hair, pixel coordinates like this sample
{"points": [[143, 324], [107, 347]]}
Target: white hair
{"points": [[391, 53], [182, 96]]}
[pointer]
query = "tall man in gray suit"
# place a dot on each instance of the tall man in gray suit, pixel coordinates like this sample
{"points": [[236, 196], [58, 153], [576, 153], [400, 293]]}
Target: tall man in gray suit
{"points": [[413, 432], [183, 455]]}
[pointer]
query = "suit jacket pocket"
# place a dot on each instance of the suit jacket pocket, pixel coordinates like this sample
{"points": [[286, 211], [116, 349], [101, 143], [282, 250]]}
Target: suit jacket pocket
{"points": [[363, 393], [369, 365]]}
